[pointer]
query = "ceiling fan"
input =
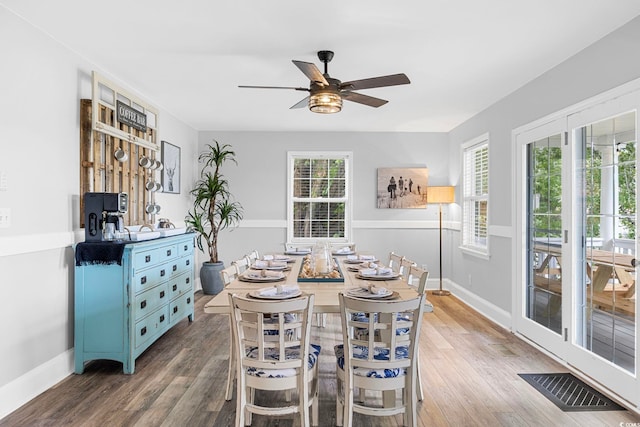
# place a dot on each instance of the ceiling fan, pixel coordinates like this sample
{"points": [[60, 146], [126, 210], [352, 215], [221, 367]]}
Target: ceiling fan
{"points": [[326, 93]]}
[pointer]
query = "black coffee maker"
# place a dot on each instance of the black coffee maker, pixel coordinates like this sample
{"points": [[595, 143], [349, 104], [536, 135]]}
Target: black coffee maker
{"points": [[101, 209]]}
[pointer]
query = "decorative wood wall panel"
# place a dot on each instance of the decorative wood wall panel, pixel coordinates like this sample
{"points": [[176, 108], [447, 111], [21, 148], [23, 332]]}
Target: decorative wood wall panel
{"points": [[100, 171]]}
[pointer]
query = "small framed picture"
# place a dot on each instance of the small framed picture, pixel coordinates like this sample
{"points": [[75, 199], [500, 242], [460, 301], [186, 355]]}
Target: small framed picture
{"points": [[171, 168], [402, 188]]}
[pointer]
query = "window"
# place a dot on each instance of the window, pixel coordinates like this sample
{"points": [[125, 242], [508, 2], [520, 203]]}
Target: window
{"points": [[475, 201], [319, 196]]}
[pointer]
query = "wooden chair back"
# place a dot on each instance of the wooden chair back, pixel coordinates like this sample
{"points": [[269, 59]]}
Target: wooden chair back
{"points": [[241, 265], [384, 360], [418, 277], [405, 265], [228, 274], [271, 339], [395, 261]]}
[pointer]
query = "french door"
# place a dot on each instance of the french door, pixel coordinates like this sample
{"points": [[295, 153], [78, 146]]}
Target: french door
{"points": [[577, 215]]}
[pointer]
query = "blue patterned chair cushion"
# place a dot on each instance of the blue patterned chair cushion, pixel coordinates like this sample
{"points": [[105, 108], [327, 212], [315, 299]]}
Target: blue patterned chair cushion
{"points": [[290, 353], [360, 352], [362, 333], [288, 317]]}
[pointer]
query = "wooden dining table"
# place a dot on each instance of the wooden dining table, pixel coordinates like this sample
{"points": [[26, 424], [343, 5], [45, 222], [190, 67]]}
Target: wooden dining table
{"points": [[325, 292]]}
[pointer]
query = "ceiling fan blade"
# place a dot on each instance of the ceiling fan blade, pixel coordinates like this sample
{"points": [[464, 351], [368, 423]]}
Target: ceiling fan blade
{"points": [[382, 81], [363, 99], [302, 104], [275, 87], [312, 72]]}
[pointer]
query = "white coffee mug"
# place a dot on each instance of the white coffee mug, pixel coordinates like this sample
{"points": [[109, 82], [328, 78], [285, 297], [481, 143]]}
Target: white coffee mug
{"points": [[158, 187], [145, 162], [159, 165], [120, 155], [152, 209], [150, 185]]}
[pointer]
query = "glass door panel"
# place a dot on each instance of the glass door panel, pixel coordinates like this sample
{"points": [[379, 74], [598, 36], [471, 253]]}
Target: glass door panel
{"points": [[544, 232], [605, 189]]}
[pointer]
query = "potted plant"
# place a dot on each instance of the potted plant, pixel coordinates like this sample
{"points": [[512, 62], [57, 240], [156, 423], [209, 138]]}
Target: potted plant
{"points": [[213, 211]]}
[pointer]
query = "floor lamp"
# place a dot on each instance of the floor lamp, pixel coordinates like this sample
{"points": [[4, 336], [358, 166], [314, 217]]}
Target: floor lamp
{"points": [[441, 195]]}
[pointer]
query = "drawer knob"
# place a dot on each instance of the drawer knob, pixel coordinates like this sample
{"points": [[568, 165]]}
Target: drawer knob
{"points": [[169, 252], [175, 287], [187, 280], [143, 331], [175, 309], [143, 280], [162, 273], [143, 304], [175, 267], [186, 247], [188, 262], [162, 318], [189, 300], [161, 294], [147, 258]]}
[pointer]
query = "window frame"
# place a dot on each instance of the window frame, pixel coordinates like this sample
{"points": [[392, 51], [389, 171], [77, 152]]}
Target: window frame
{"points": [[347, 156], [470, 243]]}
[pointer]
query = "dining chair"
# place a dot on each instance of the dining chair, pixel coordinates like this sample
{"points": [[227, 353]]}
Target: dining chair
{"points": [[228, 275], [405, 265], [241, 264], [382, 362], [418, 278], [394, 261], [275, 363], [252, 256]]}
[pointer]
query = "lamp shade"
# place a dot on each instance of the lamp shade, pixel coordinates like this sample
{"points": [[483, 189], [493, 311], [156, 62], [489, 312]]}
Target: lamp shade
{"points": [[440, 194]]}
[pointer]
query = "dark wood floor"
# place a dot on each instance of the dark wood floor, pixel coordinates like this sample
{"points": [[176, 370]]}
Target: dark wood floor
{"points": [[469, 368]]}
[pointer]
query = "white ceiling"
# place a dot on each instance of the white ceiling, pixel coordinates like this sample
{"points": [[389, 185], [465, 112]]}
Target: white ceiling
{"points": [[188, 57]]}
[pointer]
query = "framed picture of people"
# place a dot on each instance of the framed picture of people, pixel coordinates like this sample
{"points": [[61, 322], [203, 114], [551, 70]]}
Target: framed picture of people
{"points": [[402, 188], [171, 168]]}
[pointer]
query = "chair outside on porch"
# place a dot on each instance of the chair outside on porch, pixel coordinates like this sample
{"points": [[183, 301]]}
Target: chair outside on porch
{"points": [[383, 361], [274, 364]]}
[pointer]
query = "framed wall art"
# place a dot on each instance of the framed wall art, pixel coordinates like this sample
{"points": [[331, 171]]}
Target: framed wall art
{"points": [[171, 168], [402, 188]]}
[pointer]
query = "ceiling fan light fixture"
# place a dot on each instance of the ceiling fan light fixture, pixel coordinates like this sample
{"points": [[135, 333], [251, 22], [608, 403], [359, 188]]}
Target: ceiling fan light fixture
{"points": [[325, 102]]}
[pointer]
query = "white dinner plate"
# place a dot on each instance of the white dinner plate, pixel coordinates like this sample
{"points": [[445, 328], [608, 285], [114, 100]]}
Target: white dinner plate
{"points": [[275, 267], [389, 276], [343, 253], [291, 293], [250, 276], [297, 252], [359, 261], [364, 293]]}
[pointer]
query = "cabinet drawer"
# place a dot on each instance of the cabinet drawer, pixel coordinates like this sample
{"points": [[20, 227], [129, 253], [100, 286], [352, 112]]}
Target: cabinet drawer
{"points": [[179, 285], [149, 327], [180, 266], [180, 307], [147, 278], [185, 248], [155, 256], [149, 300]]}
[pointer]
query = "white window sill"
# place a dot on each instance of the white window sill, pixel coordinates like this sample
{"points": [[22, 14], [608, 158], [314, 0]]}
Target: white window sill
{"points": [[473, 251]]}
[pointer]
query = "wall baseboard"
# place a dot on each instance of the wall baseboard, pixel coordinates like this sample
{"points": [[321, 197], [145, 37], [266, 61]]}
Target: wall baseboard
{"points": [[26, 387], [482, 306]]}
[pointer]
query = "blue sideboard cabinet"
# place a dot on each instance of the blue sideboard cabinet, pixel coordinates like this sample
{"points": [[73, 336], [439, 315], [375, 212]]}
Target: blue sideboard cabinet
{"points": [[123, 306]]}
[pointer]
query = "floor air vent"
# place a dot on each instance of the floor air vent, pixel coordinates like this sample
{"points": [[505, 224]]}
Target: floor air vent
{"points": [[569, 393]]}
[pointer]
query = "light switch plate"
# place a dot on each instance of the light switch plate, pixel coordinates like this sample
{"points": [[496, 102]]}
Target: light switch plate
{"points": [[5, 217]]}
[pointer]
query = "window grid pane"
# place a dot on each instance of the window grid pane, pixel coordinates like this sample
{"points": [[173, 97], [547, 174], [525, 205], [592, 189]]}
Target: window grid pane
{"points": [[319, 198], [476, 196]]}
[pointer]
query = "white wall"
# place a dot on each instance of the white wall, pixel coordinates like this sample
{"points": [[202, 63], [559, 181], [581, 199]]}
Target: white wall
{"points": [[604, 65], [259, 183], [41, 83]]}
